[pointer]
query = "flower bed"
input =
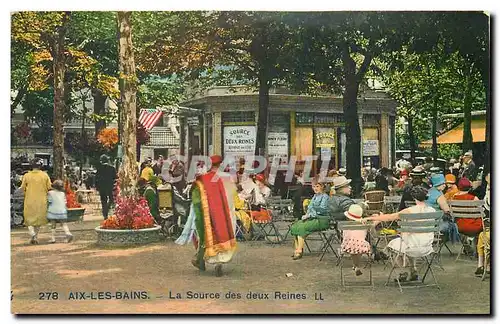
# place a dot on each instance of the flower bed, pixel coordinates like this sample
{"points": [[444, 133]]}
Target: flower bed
{"points": [[121, 237], [132, 223]]}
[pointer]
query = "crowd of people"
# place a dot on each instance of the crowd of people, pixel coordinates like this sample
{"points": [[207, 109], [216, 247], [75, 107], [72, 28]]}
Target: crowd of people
{"points": [[317, 204]]}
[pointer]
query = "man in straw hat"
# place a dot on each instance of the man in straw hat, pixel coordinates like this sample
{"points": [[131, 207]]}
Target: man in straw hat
{"points": [[468, 169], [212, 220], [340, 200]]}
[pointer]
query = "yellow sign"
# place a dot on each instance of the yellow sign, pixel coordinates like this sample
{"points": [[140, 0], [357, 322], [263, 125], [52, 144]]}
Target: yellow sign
{"points": [[325, 139]]}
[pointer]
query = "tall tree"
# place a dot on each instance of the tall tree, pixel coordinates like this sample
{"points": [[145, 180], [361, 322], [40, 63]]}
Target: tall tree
{"points": [[59, 69], [338, 51], [55, 59], [94, 33], [128, 89], [251, 48]]}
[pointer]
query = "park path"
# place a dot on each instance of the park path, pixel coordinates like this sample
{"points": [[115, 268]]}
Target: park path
{"points": [[161, 268]]}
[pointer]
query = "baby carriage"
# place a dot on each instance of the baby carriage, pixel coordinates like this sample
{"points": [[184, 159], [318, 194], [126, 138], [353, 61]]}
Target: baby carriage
{"points": [[16, 211]]}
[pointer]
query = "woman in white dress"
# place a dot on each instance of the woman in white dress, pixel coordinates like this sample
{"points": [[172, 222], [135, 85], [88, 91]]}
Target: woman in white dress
{"points": [[413, 245]]}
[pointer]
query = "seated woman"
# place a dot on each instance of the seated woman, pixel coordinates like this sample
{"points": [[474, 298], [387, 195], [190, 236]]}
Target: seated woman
{"points": [[241, 209], [467, 226], [437, 201], [258, 206], [315, 219], [411, 244]]}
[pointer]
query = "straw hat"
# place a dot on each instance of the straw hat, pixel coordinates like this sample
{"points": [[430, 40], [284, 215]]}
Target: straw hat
{"points": [[418, 171], [354, 213], [340, 182]]}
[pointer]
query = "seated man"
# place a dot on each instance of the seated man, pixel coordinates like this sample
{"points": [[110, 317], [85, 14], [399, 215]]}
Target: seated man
{"points": [[148, 190], [340, 201]]}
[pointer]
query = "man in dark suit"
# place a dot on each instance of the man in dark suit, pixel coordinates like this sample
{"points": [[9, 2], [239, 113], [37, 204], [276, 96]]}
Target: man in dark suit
{"points": [[105, 181], [468, 169]]}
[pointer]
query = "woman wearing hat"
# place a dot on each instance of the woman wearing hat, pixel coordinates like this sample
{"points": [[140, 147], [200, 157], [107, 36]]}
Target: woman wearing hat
{"points": [[417, 180], [451, 187], [467, 226], [436, 197], [403, 178], [263, 191], [437, 201], [417, 243], [36, 185], [315, 219], [354, 241]]}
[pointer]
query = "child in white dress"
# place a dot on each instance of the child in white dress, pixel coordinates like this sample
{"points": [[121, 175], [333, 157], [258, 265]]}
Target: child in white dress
{"points": [[57, 211]]}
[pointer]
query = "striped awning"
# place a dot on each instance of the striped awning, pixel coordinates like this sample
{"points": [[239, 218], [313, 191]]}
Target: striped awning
{"points": [[455, 135]]}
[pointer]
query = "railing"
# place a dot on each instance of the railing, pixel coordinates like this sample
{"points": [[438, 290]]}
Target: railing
{"points": [[163, 136]]}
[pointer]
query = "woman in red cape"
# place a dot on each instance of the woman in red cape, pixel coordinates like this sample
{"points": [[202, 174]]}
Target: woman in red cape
{"points": [[211, 223]]}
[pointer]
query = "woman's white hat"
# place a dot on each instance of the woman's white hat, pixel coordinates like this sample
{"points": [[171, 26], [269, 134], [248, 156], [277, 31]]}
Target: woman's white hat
{"points": [[354, 213]]}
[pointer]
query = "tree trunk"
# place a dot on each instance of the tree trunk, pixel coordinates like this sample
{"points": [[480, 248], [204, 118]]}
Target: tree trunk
{"points": [[59, 71], [487, 154], [434, 130], [411, 135], [467, 137], [128, 89], [264, 86], [353, 136], [350, 108], [99, 109], [84, 136]]}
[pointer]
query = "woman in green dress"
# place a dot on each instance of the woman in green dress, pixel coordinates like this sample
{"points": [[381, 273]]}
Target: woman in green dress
{"points": [[315, 219]]}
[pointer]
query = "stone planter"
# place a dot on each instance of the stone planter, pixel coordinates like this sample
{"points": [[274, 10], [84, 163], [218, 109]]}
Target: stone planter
{"points": [[75, 214], [124, 237]]}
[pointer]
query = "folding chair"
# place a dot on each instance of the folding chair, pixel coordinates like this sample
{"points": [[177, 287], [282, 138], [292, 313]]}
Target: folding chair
{"points": [[285, 214], [375, 201], [391, 204], [350, 225], [319, 236], [409, 203], [412, 225], [463, 209], [267, 228], [282, 211], [333, 236]]}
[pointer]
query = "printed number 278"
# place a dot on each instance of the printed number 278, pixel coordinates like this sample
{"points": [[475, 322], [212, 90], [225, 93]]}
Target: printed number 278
{"points": [[50, 295]]}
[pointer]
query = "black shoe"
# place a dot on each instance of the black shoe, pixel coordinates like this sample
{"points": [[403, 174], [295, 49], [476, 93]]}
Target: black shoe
{"points": [[479, 271], [297, 256], [402, 277], [218, 270], [358, 272], [414, 276], [199, 265]]}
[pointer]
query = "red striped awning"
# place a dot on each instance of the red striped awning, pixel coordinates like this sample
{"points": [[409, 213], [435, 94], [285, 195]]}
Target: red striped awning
{"points": [[149, 117]]}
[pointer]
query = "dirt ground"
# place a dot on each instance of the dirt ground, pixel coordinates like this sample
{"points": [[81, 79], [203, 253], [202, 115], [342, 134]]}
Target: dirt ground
{"points": [[162, 270]]}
